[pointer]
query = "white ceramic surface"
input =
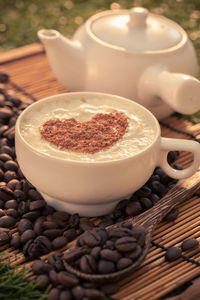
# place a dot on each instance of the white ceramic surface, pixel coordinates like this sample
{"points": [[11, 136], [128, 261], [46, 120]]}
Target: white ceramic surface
{"points": [[130, 53], [94, 188]]}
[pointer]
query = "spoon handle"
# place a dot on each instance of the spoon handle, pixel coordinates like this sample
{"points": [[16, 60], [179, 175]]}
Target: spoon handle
{"points": [[183, 190]]}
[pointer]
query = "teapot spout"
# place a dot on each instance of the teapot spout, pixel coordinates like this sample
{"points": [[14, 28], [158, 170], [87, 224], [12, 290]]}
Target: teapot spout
{"points": [[65, 58]]}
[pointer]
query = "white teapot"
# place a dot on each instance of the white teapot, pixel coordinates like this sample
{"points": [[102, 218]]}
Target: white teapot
{"points": [[130, 53]]}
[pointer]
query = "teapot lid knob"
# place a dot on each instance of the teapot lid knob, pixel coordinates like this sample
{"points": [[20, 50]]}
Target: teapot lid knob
{"points": [[138, 16]]}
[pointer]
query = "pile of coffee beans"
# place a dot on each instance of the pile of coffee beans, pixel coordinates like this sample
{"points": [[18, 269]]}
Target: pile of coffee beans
{"points": [[103, 251], [41, 229], [66, 285]]}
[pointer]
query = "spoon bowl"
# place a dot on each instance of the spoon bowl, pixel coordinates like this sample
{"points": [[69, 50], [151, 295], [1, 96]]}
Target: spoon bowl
{"points": [[183, 190]]}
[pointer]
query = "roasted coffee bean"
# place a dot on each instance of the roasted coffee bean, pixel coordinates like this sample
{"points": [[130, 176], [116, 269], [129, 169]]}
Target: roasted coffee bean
{"points": [[123, 263], [154, 198], [105, 266], [44, 244], [2, 183], [173, 253], [189, 244], [155, 177], [25, 185], [115, 233], [33, 249], [53, 277], [111, 255], [38, 225], [23, 207], [13, 213], [172, 156], [53, 233], [78, 292], [24, 225], [64, 216], [66, 295], [11, 165], [70, 234], [27, 235], [2, 213], [51, 259], [8, 150], [145, 191], [5, 236], [5, 193], [88, 264], [9, 175], [110, 288], [93, 294], [74, 221], [90, 238], [48, 210], [7, 221], [172, 215], [133, 208], [19, 195], [95, 252], [5, 112], [135, 253], [26, 249], [36, 205], [59, 266], [158, 188], [68, 280], [105, 222], [146, 203], [11, 204], [4, 77], [50, 225], [54, 294], [34, 195], [42, 281], [31, 216], [109, 245], [103, 234], [40, 267], [126, 244], [16, 101], [73, 254], [15, 242], [86, 225], [59, 242], [139, 233]]}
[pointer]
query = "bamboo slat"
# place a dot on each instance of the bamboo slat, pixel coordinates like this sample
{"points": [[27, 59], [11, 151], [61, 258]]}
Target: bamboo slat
{"points": [[29, 68]]}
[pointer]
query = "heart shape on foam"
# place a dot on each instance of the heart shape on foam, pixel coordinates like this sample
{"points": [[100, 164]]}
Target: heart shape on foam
{"points": [[99, 133]]}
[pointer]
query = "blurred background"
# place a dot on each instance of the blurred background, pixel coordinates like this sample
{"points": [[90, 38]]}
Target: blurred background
{"points": [[21, 19]]}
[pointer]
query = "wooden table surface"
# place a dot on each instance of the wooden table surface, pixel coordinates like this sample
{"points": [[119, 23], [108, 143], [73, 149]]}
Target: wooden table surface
{"points": [[28, 67]]}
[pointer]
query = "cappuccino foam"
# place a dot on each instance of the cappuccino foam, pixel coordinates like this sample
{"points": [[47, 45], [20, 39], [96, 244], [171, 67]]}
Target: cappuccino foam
{"points": [[140, 134]]}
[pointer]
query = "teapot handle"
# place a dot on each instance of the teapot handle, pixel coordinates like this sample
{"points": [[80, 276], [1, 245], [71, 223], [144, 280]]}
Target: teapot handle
{"points": [[179, 91]]}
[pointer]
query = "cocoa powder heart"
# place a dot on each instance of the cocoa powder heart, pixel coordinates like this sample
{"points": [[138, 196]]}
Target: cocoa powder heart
{"points": [[97, 134]]}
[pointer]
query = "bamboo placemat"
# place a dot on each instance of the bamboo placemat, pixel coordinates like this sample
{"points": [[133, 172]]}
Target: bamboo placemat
{"points": [[29, 69]]}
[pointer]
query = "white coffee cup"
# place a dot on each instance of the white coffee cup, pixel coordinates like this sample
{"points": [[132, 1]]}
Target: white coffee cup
{"points": [[95, 188]]}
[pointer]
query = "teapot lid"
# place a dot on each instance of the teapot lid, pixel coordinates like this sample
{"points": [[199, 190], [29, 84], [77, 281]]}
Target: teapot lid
{"points": [[136, 30]]}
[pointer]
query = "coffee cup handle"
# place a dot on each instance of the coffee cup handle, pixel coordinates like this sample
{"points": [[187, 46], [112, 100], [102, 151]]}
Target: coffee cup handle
{"points": [[167, 145]]}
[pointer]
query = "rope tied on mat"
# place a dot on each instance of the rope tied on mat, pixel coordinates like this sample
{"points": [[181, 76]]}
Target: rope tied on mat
{"points": [[190, 260]]}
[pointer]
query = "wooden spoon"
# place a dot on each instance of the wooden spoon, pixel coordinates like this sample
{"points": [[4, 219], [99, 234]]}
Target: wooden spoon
{"points": [[183, 190]]}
